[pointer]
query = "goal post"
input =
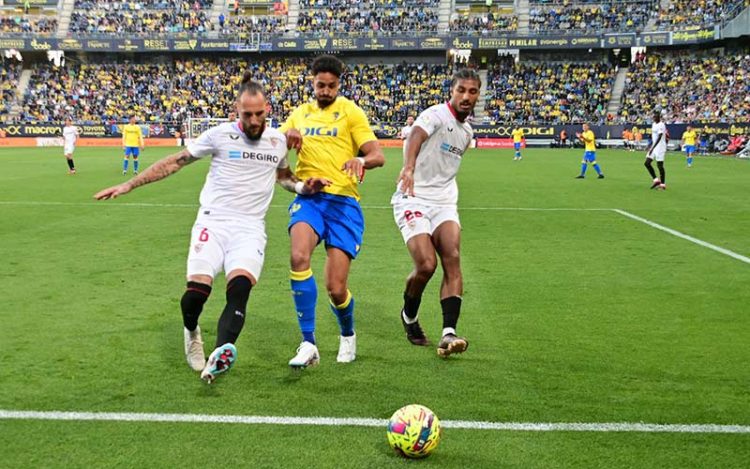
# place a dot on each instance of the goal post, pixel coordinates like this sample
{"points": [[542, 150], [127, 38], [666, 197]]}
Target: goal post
{"points": [[194, 126], [197, 125]]}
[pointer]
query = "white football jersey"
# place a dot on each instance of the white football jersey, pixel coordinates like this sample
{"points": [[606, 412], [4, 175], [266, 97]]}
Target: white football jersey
{"points": [[241, 179], [439, 158], [70, 132], [405, 131], [659, 128]]}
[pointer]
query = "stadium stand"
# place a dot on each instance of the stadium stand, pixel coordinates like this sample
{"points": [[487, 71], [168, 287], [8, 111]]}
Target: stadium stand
{"points": [[687, 88], [553, 93], [592, 16], [700, 12], [10, 71], [140, 17], [262, 18], [27, 24], [390, 93], [367, 17], [206, 88]]}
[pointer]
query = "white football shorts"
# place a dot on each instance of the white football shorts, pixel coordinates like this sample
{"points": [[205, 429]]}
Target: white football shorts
{"points": [[658, 154], [69, 149], [226, 243], [415, 217]]}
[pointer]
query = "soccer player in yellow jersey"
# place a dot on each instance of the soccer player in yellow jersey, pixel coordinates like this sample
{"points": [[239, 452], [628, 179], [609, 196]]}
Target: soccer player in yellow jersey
{"points": [[517, 135], [688, 144], [589, 155], [132, 142], [328, 134]]}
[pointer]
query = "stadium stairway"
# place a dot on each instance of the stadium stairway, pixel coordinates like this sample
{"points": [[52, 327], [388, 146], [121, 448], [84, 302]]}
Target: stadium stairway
{"points": [[23, 83], [63, 24], [738, 26], [618, 88], [522, 11], [292, 15], [445, 10], [217, 9], [479, 110]]}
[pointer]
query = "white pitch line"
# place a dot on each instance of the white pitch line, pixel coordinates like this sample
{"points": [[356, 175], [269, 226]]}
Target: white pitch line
{"points": [[365, 422], [697, 241]]}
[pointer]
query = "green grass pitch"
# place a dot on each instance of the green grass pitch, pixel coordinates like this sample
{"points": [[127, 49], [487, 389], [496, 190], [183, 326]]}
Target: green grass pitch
{"points": [[572, 316]]}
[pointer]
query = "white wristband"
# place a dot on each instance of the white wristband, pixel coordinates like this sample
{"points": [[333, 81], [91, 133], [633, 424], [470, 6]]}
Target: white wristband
{"points": [[361, 160], [298, 187]]}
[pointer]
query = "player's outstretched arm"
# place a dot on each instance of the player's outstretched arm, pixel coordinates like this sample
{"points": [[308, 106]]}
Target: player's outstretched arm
{"points": [[406, 177], [159, 170], [286, 178]]}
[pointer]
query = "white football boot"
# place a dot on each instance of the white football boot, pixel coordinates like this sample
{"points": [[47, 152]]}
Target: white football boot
{"points": [[194, 349], [347, 349], [307, 355]]}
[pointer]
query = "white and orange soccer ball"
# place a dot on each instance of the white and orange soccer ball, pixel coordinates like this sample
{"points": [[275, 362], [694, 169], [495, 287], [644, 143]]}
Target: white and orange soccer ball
{"points": [[414, 431]]}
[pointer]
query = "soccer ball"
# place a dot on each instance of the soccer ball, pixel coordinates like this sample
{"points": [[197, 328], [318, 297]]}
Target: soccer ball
{"points": [[414, 431]]}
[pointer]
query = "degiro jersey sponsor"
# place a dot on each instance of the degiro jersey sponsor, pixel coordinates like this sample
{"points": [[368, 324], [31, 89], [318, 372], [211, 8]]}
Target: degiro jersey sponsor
{"points": [[243, 171], [440, 156]]}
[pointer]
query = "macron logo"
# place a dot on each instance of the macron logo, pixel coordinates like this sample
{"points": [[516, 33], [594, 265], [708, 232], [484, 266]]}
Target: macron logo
{"points": [[235, 155]]}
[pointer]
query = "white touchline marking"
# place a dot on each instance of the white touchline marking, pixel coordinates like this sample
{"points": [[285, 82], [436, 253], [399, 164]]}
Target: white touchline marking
{"points": [[697, 241], [365, 422]]}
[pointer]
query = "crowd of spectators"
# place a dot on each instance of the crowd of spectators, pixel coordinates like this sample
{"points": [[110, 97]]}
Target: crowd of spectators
{"points": [[95, 92], [583, 16], [140, 17], [552, 93], [684, 88], [25, 24], [207, 88], [367, 16], [247, 24], [10, 71], [688, 89], [483, 23], [390, 93], [699, 12]]}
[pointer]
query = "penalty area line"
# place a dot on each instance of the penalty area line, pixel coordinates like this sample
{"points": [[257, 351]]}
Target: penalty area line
{"points": [[638, 427], [678, 234]]}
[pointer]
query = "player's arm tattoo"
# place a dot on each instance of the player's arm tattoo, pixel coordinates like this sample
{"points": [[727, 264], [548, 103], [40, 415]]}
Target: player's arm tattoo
{"points": [[163, 168], [287, 179]]}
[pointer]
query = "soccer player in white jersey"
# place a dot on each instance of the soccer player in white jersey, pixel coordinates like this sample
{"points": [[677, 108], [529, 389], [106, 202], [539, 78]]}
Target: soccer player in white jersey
{"points": [[70, 137], [406, 130], [229, 232], [425, 207], [656, 151]]}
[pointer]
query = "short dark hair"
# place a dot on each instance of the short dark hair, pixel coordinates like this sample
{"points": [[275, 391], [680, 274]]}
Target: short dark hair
{"points": [[248, 85], [657, 116], [466, 74], [328, 64]]}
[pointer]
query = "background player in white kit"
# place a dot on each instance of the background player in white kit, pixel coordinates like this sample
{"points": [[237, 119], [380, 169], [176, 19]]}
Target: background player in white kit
{"points": [[70, 137], [425, 209], [406, 130], [229, 232], [657, 151]]}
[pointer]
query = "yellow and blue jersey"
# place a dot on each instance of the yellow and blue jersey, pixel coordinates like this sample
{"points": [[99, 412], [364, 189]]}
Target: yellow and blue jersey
{"points": [[132, 135], [689, 136], [589, 140], [330, 137], [517, 135]]}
